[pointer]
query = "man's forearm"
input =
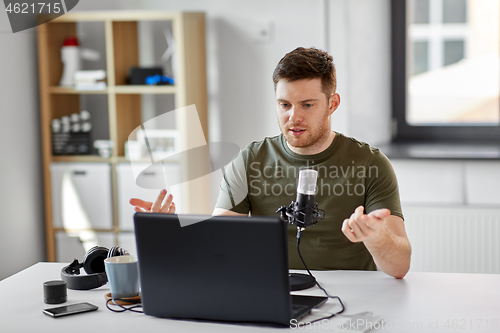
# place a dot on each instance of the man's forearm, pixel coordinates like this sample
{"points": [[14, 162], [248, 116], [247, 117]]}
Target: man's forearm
{"points": [[392, 253]]}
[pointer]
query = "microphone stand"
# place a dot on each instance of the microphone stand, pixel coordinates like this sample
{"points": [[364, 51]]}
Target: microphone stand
{"points": [[290, 214]]}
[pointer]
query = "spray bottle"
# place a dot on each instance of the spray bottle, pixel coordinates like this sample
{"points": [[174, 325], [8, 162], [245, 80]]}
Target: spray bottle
{"points": [[71, 56]]}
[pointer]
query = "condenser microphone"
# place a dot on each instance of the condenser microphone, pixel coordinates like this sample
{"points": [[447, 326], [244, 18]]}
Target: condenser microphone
{"points": [[306, 189], [302, 213]]}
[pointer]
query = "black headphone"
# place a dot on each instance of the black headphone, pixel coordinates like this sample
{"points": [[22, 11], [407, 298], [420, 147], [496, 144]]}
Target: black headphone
{"points": [[93, 264]]}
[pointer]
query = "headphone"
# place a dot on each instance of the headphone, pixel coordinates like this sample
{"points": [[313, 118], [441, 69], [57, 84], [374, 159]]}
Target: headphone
{"points": [[93, 264]]}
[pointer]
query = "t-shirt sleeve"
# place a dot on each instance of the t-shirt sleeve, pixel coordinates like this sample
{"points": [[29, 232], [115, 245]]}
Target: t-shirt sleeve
{"points": [[233, 194], [382, 189]]}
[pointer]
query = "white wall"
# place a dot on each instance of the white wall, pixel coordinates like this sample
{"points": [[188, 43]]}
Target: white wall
{"points": [[241, 96], [22, 238], [355, 32]]}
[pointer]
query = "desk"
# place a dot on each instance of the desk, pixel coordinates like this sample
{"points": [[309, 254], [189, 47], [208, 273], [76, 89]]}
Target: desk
{"points": [[421, 302]]}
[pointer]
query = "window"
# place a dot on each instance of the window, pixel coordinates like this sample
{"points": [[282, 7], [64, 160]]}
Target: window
{"points": [[446, 73]]}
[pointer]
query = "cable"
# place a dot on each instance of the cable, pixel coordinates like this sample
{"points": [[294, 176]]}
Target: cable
{"points": [[123, 309], [299, 237]]}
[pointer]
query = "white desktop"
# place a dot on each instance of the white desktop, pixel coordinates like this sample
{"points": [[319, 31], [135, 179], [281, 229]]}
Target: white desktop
{"points": [[421, 302]]}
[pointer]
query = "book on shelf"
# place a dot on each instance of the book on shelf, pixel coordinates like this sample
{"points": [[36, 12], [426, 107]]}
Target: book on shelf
{"points": [[90, 80]]}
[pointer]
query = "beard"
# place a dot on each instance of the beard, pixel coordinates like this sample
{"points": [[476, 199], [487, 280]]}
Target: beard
{"points": [[314, 134]]}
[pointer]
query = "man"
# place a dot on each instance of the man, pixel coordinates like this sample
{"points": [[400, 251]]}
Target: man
{"points": [[363, 226]]}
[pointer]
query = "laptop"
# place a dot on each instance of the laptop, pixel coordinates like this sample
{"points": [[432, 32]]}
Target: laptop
{"points": [[225, 268]]}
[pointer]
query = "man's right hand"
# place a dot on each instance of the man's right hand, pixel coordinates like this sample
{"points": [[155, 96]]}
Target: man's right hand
{"points": [[158, 206]]}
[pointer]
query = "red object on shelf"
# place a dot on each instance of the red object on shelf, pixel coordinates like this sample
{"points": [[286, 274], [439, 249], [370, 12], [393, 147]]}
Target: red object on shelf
{"points": [[71, 41]]}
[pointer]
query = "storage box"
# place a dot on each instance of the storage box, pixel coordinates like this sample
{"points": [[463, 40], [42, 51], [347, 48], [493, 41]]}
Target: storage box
{"points": [[74, 245], [81, 195]]}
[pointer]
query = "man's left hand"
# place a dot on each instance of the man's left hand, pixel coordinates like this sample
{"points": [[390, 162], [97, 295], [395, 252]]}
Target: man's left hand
{"points": [[362, 227]]}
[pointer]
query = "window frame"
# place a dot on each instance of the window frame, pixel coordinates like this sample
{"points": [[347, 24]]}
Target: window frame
{"points": [[402, 131]]}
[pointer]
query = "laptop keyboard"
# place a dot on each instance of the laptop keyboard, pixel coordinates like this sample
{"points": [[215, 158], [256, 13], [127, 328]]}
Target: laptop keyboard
{"points": [[299, 310]]}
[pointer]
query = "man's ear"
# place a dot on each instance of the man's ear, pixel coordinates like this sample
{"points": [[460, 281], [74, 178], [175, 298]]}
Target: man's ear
{"points": [[334, 102]]}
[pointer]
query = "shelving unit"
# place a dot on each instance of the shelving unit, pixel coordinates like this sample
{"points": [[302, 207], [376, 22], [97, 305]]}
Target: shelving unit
{"points": [[124, 101]]}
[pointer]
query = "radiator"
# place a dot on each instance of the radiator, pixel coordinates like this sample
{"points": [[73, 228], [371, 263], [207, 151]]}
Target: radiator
{"points": [[454, 239]]}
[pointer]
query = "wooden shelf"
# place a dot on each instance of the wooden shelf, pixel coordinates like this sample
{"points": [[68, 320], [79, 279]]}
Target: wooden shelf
{"points": [[123, 159], [167, 89], [120, 105], [98, 159], [63, 90], [112, 15], [81, 159], [70, 230], [144, 89]]}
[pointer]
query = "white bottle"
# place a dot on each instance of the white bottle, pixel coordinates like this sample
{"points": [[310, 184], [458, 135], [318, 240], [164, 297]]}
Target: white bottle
{"points": [[70, 56]]}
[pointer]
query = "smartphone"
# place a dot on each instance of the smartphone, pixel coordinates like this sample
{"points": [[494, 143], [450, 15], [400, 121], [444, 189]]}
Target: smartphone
{"points": [[70, 309]]}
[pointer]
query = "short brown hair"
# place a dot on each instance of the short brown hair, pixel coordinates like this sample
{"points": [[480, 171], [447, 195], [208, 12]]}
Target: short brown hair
{"points": [[309, 63]]}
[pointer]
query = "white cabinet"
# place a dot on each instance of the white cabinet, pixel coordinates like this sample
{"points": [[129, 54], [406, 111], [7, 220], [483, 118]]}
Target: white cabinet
{"points": [[455, 182], [74, 245], [81, 195], [430, 182], [483, 183]]}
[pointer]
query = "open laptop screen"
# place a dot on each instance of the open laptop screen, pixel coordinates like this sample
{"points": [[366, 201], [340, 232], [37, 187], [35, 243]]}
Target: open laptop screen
{"points": [[223, 268]]}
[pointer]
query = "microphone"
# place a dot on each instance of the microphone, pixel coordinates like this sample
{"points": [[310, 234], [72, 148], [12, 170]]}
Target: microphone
{"points": [[306, 189], [304, 211]]}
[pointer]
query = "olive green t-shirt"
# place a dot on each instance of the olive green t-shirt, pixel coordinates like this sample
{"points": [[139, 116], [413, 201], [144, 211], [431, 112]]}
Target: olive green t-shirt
{"points": [[264, 176]]}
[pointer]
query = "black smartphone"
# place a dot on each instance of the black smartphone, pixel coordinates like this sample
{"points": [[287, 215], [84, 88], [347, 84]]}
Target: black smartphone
{"points": [[70, 309]]}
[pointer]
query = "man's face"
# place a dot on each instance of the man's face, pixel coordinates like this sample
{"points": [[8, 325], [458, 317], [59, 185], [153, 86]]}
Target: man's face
{"points": [[304, 112]]}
